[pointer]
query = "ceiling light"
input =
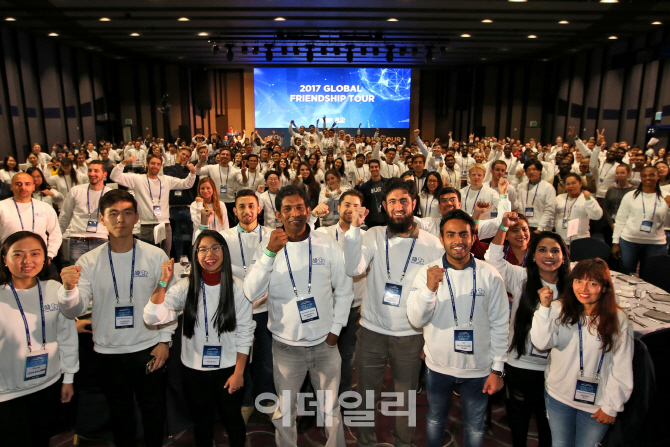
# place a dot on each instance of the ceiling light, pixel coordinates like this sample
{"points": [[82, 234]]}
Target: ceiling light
{"points": [[229, 54], [10, 19], [280, 19], [284, 50], [609, 1], [336, 50], [389, 54], [203, 34], [443, 51], [612, 37], [656, 23], [483, 58], [105, 19], [255, 50], [215, 48], [392, 20], [364, 51], [245, 50], [532, 36], [183, 19], [487, 21], [268, 53], [134, 34], [563, 22], [403, 51], [324, 51], [310, 53], [429, 55], [375, 51], [465, 35], [350, 54], [296, 51], [53, 34], [517, 1]]}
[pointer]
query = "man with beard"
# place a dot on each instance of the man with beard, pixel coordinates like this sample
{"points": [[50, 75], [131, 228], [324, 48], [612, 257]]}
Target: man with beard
{"points": [[394, 254], [564, 168], [450, 171], [347, 340], [453, 354]]}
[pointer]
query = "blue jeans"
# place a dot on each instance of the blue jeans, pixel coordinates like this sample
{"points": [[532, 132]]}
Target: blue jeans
{"points": [[79, 248], [439, 388], [632, 253], [347, 345], [180, 217], [258, 374], [571, 427]]}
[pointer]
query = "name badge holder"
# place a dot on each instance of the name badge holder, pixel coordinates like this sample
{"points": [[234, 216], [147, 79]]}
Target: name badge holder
{"points": [[537, 353], [124, 314], [239, 237], [36, 364], [178, 193], [586, 388], [393, 291], [306, 305], [530, 210], [211, 354], [494, 214], [464, 337], [646, 225], [156, 205], [566, 217], [224, 186], [92, 225]]}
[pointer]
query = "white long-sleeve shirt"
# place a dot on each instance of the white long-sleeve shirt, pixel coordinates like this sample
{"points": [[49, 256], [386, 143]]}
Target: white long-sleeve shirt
{"points": [[254, 180], [369, 250], [96, 286], [75, 212], [239, 340], [62, 343], [332, 201], [45, 222], [152, 192], [539, 196], [470, 197], [433, 312], [49, 200], [331, 289], [632, 213], [215, 224], [222, 176], [616, 375], [429, 205], [568, 209], [64, 184], [266, 203]]}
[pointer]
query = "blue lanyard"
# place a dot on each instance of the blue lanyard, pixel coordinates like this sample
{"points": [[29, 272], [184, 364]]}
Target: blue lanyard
{"points": [[88, 199], [523, 264], [537, 186], [465, 205], [239, 236], [581, 354], [388, 267], [66, 185], [25, 322], [204, 307], [160, 190], [472, 264], [288, 263], [573, 205], [428, 210], [644, 211], [221, 175], [451, 183], [132, 272], [33, 205], [605, 175]]}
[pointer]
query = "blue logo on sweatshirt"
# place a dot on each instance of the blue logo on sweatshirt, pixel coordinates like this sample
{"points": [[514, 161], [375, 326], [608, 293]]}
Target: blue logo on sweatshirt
{"points": [[318, 261], [51, 307], [417, 260], [141, 274], [480, 292]]}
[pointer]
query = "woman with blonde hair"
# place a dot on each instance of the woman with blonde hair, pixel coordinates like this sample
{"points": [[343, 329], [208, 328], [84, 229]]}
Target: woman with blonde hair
{"points": [[207, 210]]}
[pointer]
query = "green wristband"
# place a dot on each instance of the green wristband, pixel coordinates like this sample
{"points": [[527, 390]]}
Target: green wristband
{"points": [[162, 284], [503, 196], [203, 227], [476, 222], [504, 228], [270, 253]]}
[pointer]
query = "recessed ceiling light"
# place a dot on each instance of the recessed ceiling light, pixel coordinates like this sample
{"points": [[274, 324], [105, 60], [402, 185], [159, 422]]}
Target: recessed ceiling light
{"points": [[656, 23], [483, 58], [545, 60], [465, 35], [612, 37], [517, 1], [183, 19], [280, 19], [609, 1], [563, 22], [134, 34], [487, 21], [10, 19], [392, 20], [53, 34], [105, 19], [532, 36], [203, 34]]}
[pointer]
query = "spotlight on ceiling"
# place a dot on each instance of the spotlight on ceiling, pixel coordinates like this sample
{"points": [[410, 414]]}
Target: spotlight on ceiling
{"points": [[215, 48], [443, 51], [268, 53], [389, 54], [350, 53], [375, 51], [245, 50], [324, 51], [364, 51], [284, 50], [310, 53], [229, 54], [429, 54], [336, 50], [403, 51], [296, 50], [255, 50]]}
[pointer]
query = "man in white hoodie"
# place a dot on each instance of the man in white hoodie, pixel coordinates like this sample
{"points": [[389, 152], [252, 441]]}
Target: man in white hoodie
{"points": [[465, 324]]}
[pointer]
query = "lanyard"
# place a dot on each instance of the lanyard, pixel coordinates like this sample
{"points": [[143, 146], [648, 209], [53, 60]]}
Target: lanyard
{"points": [[644, 211], [272, 205], [605, 175], [581, 354], [204, 307], [428, 210], [88, 199], [221, 175], [451, 183], [537, 186], [573, 205], [523, 264], [66, 185], [25, 322], [33, 205], [160, 190], [388, 267], [465, 205], [132, 272], [472, 264], [239, 236], [288, 263]]}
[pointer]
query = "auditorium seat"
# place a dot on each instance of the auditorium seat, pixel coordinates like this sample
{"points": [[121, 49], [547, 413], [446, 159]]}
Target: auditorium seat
{"points": [[656, 272], [589, 248]]}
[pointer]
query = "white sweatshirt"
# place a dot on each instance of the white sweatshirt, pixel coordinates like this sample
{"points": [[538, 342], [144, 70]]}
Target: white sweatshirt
{"points": [[513, 197], [158, 194], [332, 201], [616, 375], [433, 311], [470, 197], [631, 214], [254, 180], [45, 223], [222, 176], [515, 280], [331, 289], [579, 208], [216, 224], [239, 340], [360, 283], [64, 184], [541, 198], [49, 200], [96, 286], [606, 178], [75, 212], [451, 177], [429, 206], [61, 335], [369, 250], [266, 203]]}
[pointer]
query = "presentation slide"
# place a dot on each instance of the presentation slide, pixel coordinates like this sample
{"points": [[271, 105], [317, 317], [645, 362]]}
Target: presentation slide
{"points": [[372, 97]]}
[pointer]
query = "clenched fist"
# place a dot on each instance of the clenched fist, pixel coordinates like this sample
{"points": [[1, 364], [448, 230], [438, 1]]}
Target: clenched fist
{"points": [[70, 276]]}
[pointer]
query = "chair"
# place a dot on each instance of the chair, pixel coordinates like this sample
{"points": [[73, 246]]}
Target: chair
{"points": [[655, 432], [589, 248], [656, 272]]}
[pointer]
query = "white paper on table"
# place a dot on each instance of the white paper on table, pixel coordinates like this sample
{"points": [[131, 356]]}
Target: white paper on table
{"points": [[159, 233], [573, 227], [652, 141]]}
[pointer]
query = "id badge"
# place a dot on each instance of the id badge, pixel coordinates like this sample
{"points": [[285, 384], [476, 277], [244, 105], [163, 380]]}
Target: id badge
{"points": [[36, 366], [124, 317], [586, 390], [464, 341], [92, 226], [535, 353], [494, 214], [646, 226], [464, 173], [211, 356], [602, 180], [224, 189], [177, 193], [613, 215], [157, 210], [336, 215], [392, 294], [307, 309], [530, 211], [565, 223]]}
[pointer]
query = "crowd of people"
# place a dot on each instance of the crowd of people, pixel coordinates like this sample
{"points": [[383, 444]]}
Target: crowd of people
{"points": [[321, 254]]}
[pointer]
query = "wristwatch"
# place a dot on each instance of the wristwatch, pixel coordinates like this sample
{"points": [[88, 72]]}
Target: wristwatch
{"points": [[169, 344], [501, 374]]}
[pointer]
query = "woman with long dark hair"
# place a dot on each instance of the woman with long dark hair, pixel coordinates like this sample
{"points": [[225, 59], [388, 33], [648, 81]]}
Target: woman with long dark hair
{"points": [[330, 195], [207, 209], [9, 169], [306, 178], [339, 166], [314, 163], [547, 265], [575, 203], [285, 175], [218, 331], [429, 197], [42, 191], [67, 177], [38, 345], [590, 373]]}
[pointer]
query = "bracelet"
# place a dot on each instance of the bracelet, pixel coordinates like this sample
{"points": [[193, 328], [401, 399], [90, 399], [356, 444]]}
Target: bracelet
{"points": [[476, 222], [162, 284], [203, 227], [270, 253], [503, 227], [503, 196]]}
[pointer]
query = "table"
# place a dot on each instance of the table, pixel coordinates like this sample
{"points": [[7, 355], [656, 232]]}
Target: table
{"points": [[624, 291]]}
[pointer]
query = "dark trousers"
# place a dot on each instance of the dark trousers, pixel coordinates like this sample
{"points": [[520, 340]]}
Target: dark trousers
{"points": [[347, 345], [205, 395], [180, 221], [525, 396], [30, 420], [258, 377], [123, 379]]}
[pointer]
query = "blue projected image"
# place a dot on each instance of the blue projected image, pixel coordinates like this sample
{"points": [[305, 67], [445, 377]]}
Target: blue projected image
{"points": [[375, 97]]}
